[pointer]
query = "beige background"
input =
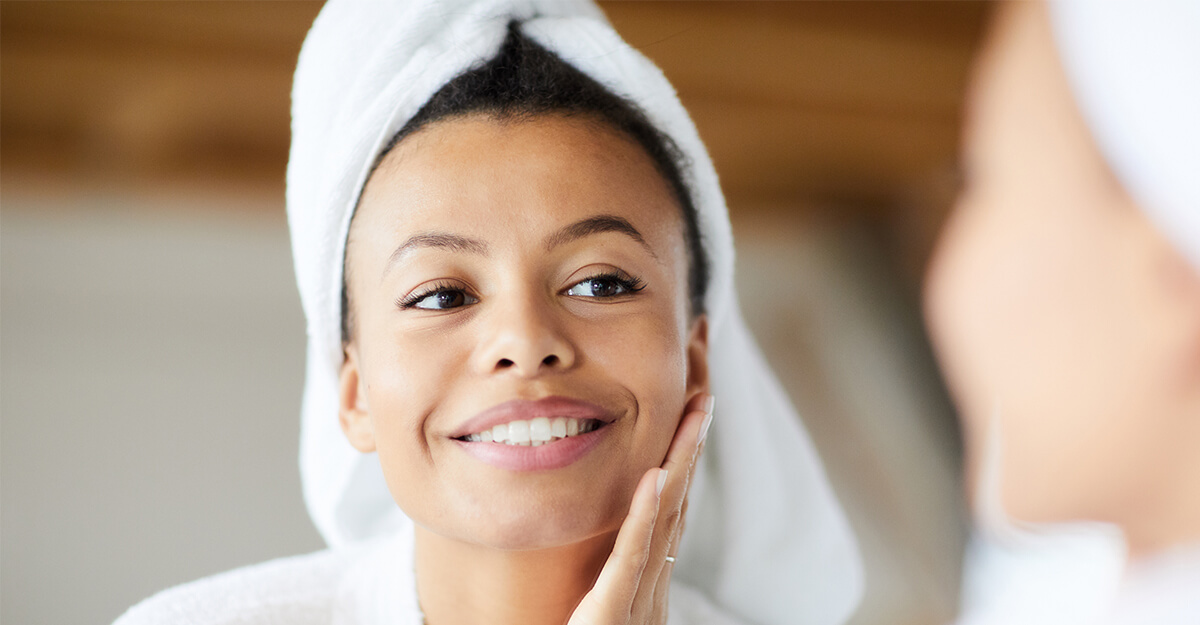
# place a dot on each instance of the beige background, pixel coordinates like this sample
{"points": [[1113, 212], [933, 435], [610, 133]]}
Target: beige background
{"points": [[152, 363]]}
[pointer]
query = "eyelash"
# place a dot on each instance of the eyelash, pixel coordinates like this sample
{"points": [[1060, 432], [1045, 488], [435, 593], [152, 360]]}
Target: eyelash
{"points": [[631, 284], [411, 301]]}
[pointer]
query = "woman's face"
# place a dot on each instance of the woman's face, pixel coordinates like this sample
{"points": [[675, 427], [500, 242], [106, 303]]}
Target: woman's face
{"points": [[1056, 306], [516, 274]]}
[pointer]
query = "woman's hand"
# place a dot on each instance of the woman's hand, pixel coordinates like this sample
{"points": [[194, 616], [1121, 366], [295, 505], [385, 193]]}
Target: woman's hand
{"points": [[632, 587]]}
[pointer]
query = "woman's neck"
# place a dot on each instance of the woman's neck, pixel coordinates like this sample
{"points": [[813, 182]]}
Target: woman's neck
{"points": [[465, 584]]}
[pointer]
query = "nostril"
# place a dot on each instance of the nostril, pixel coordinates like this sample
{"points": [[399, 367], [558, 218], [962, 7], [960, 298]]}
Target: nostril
{"points": [[504, 363], [550, 360]]}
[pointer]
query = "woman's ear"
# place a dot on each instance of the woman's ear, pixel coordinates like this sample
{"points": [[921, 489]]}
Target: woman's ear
{"points": [[697, 355], [353, 412]]}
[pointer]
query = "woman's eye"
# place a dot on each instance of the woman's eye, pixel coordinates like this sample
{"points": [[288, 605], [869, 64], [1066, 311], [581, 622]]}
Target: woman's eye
{"points": [[443, 299], [602, 287]]}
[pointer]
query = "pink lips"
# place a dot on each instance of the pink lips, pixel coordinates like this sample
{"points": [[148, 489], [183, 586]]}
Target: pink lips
{"points": [[553, 455]]}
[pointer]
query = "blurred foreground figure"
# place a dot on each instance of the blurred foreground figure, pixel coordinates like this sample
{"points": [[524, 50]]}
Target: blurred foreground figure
{"points": [[1064, 304]]}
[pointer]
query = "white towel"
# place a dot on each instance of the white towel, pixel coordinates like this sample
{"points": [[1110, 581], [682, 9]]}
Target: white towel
{"points": [[766, 538], [1134, 68]]}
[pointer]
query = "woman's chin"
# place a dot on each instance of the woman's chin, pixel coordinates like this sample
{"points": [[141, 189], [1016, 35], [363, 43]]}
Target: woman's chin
{"points": [[533, 529], [523, 527]]}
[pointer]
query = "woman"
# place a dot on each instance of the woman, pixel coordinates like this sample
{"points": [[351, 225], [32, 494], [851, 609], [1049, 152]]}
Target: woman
{"points": [[1064, 304], [533, 312]]}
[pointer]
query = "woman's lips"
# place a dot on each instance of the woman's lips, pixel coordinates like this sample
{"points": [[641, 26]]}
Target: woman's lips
{"points": [[523, 435], [550, 408], [553, 455]]}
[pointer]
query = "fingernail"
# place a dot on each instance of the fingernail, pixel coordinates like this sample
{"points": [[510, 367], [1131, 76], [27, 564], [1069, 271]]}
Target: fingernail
{"points": [[662, 481], [708, 420], [704, 428]]}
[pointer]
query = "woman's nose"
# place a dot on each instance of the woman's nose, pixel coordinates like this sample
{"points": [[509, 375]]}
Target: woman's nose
{"points": [[523, 338]]}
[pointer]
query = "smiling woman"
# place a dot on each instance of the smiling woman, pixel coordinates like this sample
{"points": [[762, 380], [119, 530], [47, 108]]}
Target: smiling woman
{"points": [[514, 325]]}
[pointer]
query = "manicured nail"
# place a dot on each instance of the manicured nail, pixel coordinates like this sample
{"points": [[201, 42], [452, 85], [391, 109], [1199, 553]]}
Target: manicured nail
{"points": [[708, 415], [704, 428], [662, 481]]}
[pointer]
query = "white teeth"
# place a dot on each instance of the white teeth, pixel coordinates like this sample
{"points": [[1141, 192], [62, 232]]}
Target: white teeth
{"points": [[534, 432], [518, 432], [539, 430]]}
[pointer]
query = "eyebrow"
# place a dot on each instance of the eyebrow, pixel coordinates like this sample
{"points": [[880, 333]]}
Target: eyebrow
{"points": [[596, 225], [439, 240], [458, 243]]}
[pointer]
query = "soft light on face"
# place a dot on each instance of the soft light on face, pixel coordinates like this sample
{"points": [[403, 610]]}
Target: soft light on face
{"points": [[1054, 304], [499, 260]]}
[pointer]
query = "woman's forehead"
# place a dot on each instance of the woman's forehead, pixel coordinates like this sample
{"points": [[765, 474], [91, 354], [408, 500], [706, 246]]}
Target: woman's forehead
{"points": [[483, 177]]}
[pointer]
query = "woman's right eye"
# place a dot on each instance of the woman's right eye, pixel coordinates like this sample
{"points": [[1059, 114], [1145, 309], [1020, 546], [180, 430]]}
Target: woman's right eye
{"points": [[440, 299]]}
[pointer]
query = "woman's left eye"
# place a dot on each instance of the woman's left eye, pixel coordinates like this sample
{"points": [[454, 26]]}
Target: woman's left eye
{"points": [[605, 286]]}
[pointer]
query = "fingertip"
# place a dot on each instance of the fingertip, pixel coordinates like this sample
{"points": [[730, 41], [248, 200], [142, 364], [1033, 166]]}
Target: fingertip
{"points": [[682, 451], [704, 428], [648, 497], [697, 402]]}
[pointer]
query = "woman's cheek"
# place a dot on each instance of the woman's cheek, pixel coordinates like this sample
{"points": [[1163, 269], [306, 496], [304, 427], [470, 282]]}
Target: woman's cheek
{"points": [[403, 378], [648, 358]]}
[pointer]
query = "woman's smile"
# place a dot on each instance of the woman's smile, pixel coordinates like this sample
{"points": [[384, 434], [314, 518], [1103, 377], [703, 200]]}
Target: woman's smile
{"points": [[522, 435]]}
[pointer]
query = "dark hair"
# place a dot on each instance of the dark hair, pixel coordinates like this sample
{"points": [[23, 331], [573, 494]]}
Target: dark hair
{"points": [[525, 80]]}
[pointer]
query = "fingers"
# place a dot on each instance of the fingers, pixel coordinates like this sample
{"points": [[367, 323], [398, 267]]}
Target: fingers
{"points": [[693, 427], [611, 599], [663, 583], [634, 583], [680, 463]]}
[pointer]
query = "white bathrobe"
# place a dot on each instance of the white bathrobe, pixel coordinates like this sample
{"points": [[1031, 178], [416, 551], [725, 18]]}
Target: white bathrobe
{"points": [[369, 583]]}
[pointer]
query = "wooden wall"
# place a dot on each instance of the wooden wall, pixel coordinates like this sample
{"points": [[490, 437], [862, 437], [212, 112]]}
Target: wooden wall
{"points": [[849, 102]]}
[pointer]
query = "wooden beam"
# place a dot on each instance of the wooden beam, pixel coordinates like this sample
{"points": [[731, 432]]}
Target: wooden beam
{"points": [[837, 101]]}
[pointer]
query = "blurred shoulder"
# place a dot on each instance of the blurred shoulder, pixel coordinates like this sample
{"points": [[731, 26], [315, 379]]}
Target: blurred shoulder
{"points": [[297, 590]]}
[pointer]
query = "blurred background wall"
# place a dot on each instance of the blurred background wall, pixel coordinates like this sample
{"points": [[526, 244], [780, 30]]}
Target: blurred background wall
{"points": [[151, 338]]}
